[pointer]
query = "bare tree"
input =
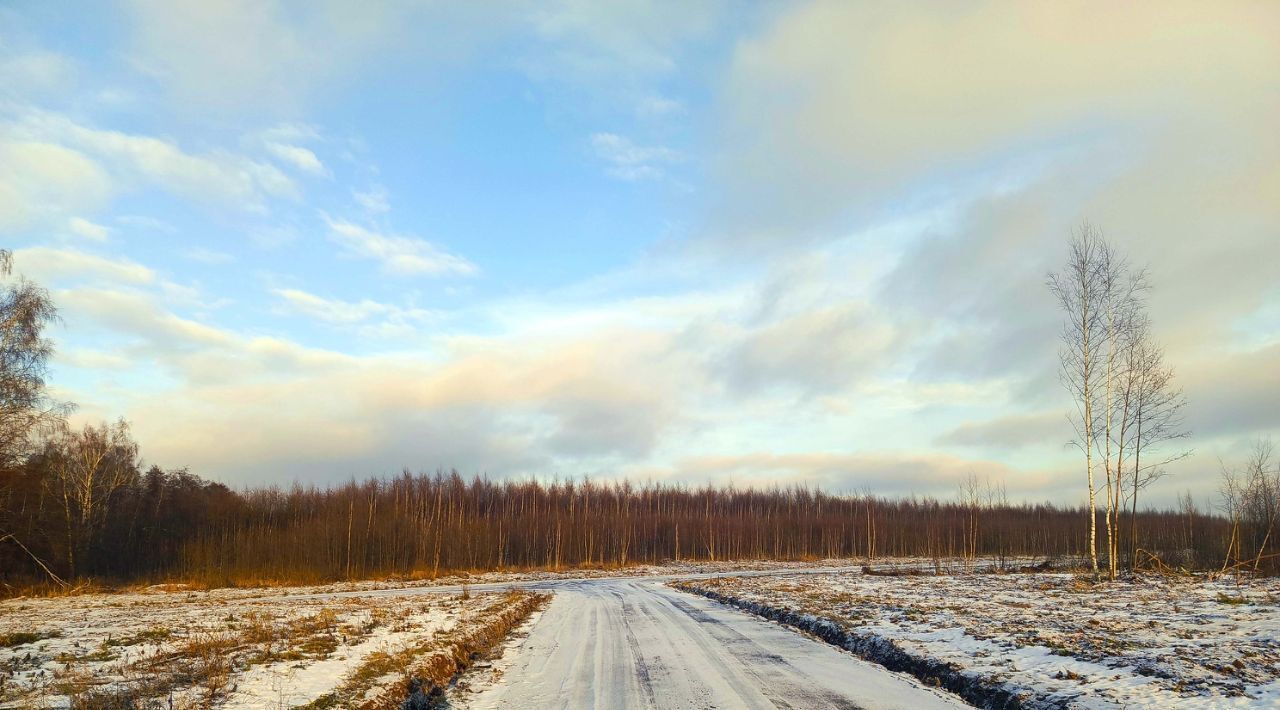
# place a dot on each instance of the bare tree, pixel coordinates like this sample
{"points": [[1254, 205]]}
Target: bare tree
{"points": [[87, 468], [1156, 412], [1122, 299], [1262, 497], [971, 499], [25, 312], [1232, 491], [25, 407], [1086, 291]]}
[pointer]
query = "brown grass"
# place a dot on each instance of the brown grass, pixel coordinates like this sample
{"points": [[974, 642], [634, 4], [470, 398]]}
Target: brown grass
{"points": [[426, 669]]}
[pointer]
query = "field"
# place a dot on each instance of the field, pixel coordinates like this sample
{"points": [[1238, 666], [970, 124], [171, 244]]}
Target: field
{"points": [[1042, 639], [241, 648], [261, 647], [1019, 639]]}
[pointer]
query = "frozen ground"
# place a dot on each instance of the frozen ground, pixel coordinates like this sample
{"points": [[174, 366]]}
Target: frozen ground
{"points": [[1052, 638], [635, 643], [223, 648], [623, 638], [616, 638]]}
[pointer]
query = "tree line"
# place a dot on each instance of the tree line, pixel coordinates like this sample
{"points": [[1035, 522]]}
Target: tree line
{"points": [[162, 525], [77, 502]]}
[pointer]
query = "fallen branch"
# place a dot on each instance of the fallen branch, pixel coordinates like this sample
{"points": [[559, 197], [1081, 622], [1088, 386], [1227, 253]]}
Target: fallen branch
{"points": [[43, 566], [1159, 564], [1243, 563]]}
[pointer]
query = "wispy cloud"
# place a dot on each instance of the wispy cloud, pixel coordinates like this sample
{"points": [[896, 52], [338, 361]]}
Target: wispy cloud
{"points": [[202, 255], [299, 157], [55, 266], [405, 256], [92, 231], [339, 312], [219, 176], [375, 200], [628, 161]]}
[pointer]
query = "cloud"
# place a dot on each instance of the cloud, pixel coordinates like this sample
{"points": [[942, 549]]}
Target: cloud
{"points": [[36, 72], [54, 266], [818, 351], [87, 359], [299, 157], [285, 53], [145, 222], [505, 406], [1011, 431], [381, 319], [44, 181], [628, 161], [89, 230], [219, 176], [658, 107], [885, 473], [837, 107], [405, 256], [1234, 393], [618, 45], [374, 201], [208, 256]]}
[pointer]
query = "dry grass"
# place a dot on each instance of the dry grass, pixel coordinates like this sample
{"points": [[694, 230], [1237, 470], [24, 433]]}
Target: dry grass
{"points": [[425, 669], [18, 638]]}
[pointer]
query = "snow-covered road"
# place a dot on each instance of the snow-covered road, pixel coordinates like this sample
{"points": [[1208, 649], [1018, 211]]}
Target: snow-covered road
{"points": [[635, 643]]}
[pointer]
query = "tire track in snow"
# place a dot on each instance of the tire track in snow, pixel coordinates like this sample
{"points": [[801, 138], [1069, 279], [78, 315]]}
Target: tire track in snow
{"points": [[612, 643]]}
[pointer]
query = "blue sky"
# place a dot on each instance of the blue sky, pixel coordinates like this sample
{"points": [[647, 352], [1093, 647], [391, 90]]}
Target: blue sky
{"points": [[788, 242]]}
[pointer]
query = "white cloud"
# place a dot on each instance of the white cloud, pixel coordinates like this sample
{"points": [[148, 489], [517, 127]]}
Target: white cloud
{"points": [[394, 319], [54, 266], [88, 359], [628, 161], [89, 230], [145, 222], [270, 56], [219, 176], [208, 256], [375, 200], [618, 43], [401, 255], [36, 72], [838, 106], [658, 107], [299, 157], [44, 182]]}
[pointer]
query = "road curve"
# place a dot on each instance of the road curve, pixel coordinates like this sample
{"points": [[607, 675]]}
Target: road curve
{"points": [[629, 643]]}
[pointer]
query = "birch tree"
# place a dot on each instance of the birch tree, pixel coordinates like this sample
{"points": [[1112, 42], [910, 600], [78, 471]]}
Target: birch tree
{"points": [[1122, 304], [1156, 408], [25, 312], [87, 468], [1081, 290]]}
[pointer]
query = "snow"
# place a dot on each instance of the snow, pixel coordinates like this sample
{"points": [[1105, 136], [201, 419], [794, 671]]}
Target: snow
{"points": [[621, 638], [116, 641], [279, 650], [635, 643], [1151, 642]]}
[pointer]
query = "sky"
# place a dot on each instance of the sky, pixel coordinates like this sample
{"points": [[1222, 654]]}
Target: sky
{"points": [[724, 243]]}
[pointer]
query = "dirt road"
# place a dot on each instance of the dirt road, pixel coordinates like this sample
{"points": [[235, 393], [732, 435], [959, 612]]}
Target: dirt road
{"points": [[630, 643]]}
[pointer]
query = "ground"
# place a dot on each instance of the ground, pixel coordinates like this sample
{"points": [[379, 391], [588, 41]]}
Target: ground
{"points": [[1054, 639], [649, 635], [222, 648]]}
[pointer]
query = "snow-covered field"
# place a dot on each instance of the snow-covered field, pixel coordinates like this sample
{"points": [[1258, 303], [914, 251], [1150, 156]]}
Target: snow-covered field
{"points": [[253, 647], [620, 638], [223, 648], [1052, 639]]}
